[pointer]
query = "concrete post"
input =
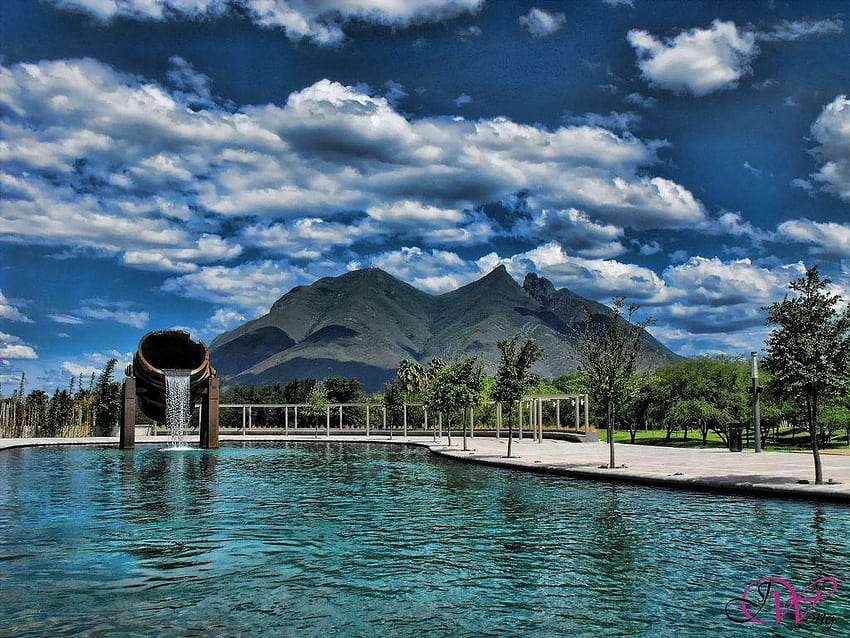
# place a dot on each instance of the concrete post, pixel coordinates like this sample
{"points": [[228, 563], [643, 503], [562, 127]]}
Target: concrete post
{"points": [[209, 415], [244, 417], [385, 421], [441, 426], [286, 421], [127, 438], [578, 418], [296, 417], [367, 419], [340, 418], [328, 420], [586, 413], [540, 423], [472, 422], [405, 419], [557, 414], [498, 418], [756, 407], [520, 422]]}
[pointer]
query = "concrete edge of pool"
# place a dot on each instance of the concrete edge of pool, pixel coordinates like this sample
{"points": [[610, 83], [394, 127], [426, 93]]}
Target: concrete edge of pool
{"points": [[770, 474]]}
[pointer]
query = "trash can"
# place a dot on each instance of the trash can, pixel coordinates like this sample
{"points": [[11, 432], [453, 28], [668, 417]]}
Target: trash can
{"points": [[735, 438]]}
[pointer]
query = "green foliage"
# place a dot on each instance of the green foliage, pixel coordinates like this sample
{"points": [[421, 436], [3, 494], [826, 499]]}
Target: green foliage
{"points": [[808, 351], [317, 401], [455, 387], [342, 390], [513, 377], [411, 379]]}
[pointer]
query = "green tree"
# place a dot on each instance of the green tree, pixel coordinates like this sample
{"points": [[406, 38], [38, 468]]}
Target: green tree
{"points": [[607, 352], [455, 388], [410, 378], [317, 403], [808, 350], [107, 400], [513, 376]]}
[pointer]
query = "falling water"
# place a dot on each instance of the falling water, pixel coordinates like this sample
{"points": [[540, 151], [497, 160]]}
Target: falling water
{"points": [[178, 406]]}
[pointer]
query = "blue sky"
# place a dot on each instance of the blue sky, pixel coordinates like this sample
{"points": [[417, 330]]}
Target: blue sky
{"points": [[186, 162]]}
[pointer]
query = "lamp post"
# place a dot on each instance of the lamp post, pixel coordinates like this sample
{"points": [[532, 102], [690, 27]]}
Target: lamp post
{"points": [[756, 390]]}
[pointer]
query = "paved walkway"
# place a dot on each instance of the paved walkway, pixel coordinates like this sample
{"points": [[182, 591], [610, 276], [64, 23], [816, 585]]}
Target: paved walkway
{"points": [[768, 473]]}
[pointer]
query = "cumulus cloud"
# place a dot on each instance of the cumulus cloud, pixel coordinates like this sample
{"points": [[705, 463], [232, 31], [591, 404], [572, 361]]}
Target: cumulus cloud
{"points": [[574, 231], [321, 22], [697, 61], [96, 158], [540, 23], [831, 131], [823, 238], [253, 286], [435, 271], [9, 312], [12, 347]]}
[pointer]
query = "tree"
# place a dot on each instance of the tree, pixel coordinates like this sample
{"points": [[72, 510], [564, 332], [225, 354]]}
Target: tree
{"points": [[607, 351], [317, 403], [808, 350], [514, 376], [107, 400], [410, 378], [455, 388]]}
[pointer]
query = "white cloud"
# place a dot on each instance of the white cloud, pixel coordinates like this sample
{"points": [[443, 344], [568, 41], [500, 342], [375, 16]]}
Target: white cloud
{"points": [[790, 30], [224, 319], [831, 131], [321, 22], [117, 311], [825, 238], [12, 347], [434, 271], [66, 319], [644, 101], [462, 100], [540, 23], [9, 312], [699, 61], [96, 158], [619, 3], [574, 231], [252, 286], [614, 120]]}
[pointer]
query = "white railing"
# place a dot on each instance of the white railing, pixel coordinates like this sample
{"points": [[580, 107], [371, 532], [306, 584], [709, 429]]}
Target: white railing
{"points": [[533, 406]]}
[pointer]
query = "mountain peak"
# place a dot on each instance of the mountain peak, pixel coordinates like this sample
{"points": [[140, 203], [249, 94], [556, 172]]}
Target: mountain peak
{"points": [[539, 288]]}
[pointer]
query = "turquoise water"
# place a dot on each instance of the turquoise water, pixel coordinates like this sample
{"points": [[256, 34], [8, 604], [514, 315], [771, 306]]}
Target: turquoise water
{"points": [[375, 540]]}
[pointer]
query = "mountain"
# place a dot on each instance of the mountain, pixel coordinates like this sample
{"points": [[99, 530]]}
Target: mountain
{"points": [[363, 323]]}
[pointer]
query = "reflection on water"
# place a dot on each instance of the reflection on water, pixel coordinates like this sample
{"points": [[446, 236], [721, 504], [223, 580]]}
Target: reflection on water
{"points": [[324, 538]]}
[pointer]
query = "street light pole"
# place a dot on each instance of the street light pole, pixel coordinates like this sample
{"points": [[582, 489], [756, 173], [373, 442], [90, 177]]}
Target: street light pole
{"points": [[756, 390]]}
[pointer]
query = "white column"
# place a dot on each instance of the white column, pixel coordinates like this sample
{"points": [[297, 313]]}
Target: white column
{"points": [[340, 418], [286, 421], [296, 417], [328, 420], [557, 414], [441, 425], [405, 419], [578, 418], [367, 419], [243, 419], [520, 421], [586, 413], [472, 422], [498, 418], [385, 421]]}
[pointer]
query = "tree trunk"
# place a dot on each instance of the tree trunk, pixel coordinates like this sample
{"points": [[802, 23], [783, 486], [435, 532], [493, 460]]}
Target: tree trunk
{"points": [[813, 432], [465, 421], [686, 431], [669, 433], [510, 427], [611, 437], [633, 434], [704, 430]]}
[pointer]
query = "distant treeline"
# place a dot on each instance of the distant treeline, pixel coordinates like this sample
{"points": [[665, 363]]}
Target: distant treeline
{"points": [[87, 407], [691, 398]]}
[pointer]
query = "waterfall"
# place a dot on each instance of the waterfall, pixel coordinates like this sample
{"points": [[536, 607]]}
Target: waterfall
{"points": [[178, 405]]}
